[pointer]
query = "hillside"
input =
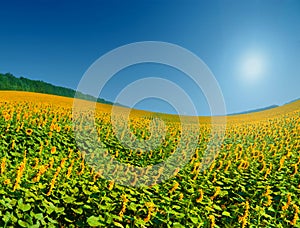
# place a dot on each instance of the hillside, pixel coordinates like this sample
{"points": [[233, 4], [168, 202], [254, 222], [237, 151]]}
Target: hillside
{"points": [[255, 110], [10, 82], [52, 176]]}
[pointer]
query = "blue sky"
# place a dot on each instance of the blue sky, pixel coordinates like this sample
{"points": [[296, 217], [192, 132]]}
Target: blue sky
{"points": [[56, 41]]}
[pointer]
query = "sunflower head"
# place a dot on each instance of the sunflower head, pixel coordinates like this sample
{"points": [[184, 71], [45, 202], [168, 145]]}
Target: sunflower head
{"points": [[6, 182], [7, 117], [29, 131], [53, 150]]}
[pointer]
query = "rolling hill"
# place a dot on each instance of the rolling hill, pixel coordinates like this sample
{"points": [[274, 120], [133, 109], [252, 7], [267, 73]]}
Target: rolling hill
{"points": [[51, 174], [10, 82]]}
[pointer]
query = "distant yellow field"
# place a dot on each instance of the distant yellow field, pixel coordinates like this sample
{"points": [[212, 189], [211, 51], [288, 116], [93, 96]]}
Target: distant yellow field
{"points": [[17, 96]]}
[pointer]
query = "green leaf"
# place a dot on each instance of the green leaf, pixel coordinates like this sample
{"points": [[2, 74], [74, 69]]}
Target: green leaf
{"points": [[52, 220], [50, 207], [22, 223], [78, 210], [271, 209], [59, 210], [39, 216], [226, 213], [217, 207], [176, 207], [139, 221], [6, 217], [55, 201], [41, 186], [87, 192], [194, 220], [78, 203], [68, 220], [267, 216], [191, 190], [207, 208], [177, 225], [93, 221], [114, 194], [132, 206], [69, 199], [179, 215], [118, 224], [37, 225], [86, 206], [24, 207], [131, 198]]}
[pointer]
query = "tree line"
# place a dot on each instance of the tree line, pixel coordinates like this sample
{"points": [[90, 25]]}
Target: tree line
{"points": [[10, 82]]}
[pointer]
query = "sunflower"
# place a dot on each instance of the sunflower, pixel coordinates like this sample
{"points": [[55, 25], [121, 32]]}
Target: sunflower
{"points": [[53, 150], [6, 182], [29, 131], [7, 117]]}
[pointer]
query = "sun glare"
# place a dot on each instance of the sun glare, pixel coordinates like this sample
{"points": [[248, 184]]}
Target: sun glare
{"points": [[252, 67]]}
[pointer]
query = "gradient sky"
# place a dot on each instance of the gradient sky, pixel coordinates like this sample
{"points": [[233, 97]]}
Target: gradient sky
{"points": [[56, 41]]}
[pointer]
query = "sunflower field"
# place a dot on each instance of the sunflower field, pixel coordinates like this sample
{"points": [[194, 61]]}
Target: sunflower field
{"points": [[253, 181]]}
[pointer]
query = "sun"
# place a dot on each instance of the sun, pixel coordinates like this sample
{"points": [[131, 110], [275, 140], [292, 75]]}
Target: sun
{"points": [[252, 67]]}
